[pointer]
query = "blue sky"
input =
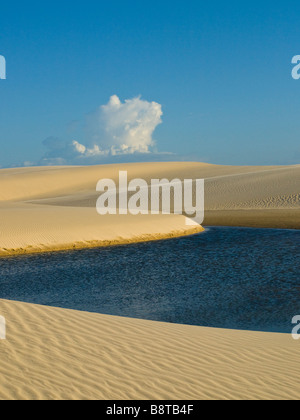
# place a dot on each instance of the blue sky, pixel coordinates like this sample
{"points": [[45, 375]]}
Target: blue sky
{"points": [[221, 71]]}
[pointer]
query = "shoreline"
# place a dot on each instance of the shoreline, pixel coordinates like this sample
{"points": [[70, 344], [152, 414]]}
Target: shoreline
{"points": [[99, 244], [131, 241], [254, 218], [61, 354], [52, 209]]}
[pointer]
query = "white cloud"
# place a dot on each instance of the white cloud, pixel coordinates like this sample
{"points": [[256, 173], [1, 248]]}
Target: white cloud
{"points": [[115, 129], [128, 126], [84, 151]]}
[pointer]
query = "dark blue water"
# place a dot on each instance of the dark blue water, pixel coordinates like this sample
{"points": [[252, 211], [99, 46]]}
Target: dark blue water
{"points": [[226, 277]]}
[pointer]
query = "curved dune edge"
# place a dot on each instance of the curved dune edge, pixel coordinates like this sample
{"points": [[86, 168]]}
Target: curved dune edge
{"points": [[42, 248], [30, 228], [54, 208], [60, 354]]}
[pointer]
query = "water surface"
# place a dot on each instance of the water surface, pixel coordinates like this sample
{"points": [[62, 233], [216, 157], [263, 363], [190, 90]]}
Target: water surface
{"points": [[226, 277]]}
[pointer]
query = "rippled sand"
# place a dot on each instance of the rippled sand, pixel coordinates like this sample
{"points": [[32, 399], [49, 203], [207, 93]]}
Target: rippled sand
{"points": [[54, 208], [54, 353]]}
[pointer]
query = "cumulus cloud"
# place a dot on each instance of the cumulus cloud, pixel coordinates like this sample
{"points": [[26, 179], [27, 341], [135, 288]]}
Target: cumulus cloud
{"points": [[115, 129], [128, 126]]}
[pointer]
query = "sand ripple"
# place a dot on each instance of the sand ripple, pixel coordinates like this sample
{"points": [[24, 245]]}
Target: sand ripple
{"points": [[55, 353]]}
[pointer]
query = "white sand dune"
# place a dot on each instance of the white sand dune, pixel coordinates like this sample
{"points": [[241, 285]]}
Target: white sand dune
{"points": [[54, 208], [41, 210], [28, 228], [54, 353]]}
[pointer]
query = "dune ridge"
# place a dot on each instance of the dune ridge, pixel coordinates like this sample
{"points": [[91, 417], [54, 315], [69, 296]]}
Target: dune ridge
{"points": [[54, 208], [58, 354], [61, 354]]}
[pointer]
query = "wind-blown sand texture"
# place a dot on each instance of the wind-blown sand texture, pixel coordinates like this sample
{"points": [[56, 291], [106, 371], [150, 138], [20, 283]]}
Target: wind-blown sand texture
{"points": [[45, 209], [55, 353]]}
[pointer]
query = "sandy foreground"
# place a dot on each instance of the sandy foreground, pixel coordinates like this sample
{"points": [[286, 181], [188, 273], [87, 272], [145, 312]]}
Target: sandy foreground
{"points": [[54, 353]]}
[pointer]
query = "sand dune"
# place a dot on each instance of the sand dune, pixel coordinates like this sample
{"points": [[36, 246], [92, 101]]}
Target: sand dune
{"points": [[54, 353], [28, 228], [54, 208], [41, 211]]}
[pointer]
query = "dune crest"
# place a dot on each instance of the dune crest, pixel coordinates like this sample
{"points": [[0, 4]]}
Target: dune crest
{"points": [[52, 353], [54, 208]]}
